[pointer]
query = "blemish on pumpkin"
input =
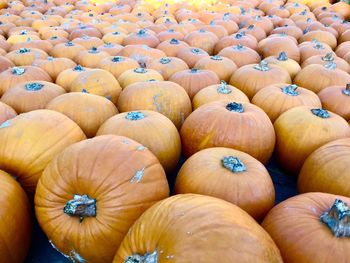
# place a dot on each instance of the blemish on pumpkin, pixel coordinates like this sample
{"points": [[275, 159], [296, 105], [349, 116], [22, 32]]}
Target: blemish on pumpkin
{"points": [[5, 124], [170, 257], [138, 176], [141, 148], [76, 258], [125, 142], [156, 102]]}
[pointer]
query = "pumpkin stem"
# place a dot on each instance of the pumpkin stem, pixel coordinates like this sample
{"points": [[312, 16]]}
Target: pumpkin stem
{"points": [[141, 32], [69, 44], [291, 90], [224, 88], [18, 71], [262, 66], [194, 70], [322, 113], [146, 258], [240, 35], [117, 59], [346, 91], [328, 57], [250, 27], [94, 50], [134, 116], [174, 41], [81, 206], [282, 56], [140, 70], [23, 50], [195, 50], [116, 33], [234, 106], [165, 60], [216, 57], [337, 218], [239, 47], [318, 45], [234, 164], [331, 65], [33, 86], [78, 68]]}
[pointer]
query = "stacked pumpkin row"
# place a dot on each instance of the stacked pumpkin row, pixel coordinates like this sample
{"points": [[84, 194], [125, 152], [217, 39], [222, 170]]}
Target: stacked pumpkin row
{"points": [[226, 84]]}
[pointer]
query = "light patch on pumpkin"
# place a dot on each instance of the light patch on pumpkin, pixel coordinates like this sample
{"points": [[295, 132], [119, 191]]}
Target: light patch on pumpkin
{"points": [[156, 102], [141, 148], [76, 258], [5, 124], [138, 176]]}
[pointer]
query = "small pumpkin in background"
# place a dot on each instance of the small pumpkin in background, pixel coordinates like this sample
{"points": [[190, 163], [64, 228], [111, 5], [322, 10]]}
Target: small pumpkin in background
{"points": [[336, 99], [240, 55], [110, 48], [16, 218], [326, 169], [181, 216], [161, 138], [16, 75], [43, 45], [276, 99], [217, 92], [141, 37], [118, 65], [31, 95], [191, 55], [172, 47], [138, 75], [168, 66], [202, 39], [212, 124], [329, 57], [310, 222], [89, 111], [97, 81], [222, 66], [66, 50], [141, 53], [236, 39], [273, 46], [322, 76], [88, 42], [254, 31], [6, 112], [115, 37], [301, 130], [90, 58], [193, 80], [252, 78], [66, 77], [54, 66], [230, 175], [91, 177], [165, 97], [25, 56], [283, 61]]}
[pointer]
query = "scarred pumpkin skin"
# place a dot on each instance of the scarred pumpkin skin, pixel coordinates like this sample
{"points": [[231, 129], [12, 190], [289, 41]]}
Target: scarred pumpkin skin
{"points": [[6, 112], [175, 230], [230, 175], [16, 220], [30, 141], [122, 176], [297, 230], [225, 124]]}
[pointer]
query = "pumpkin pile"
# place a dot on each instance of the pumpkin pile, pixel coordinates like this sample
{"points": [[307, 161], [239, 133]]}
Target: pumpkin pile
{"points": [[109, 107]]}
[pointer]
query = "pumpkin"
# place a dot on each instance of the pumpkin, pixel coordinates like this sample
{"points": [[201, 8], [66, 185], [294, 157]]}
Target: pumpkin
{"points": [[142, 37], [115, 37], [141, 53], [326, 169], [230, 175], [16, 219], [31, 95], [181, 216], [322, 59], [236, 39], [310, 227], [202, 39], [97, 81], [282, 60], [343, 49], [273, 46], [5, 63], [15, 75], [165, 97], [6, 112], [341, 8], [43, 45], [167, 66], [219, 30], [172, 47], [301, 130], [54, 66], [191, 55], [117, 65], [66, 50], [252, 78], [260, 21], [194, 80], [136, 75], [90, 58], [309, 49], [254, 31], [25, 57], [292, 31], [88, 42], [212, 124], [327, 75], [240, 55], [228, 24], [222, 66], [102, 198], [84, 31], [39, 133], [336, 99], [162, 137], [66, 77]]}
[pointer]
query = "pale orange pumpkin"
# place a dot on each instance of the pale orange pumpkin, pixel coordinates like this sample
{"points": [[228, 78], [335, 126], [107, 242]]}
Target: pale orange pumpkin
{"points": [[118, 65], [90, 58], [25, 56], [320, 59], [172, 47], [66, 77], [66, 50], [136, 75], [6, 112], [191, 55], [283, 61], [54, 66], [240, 55], [168, 66]]}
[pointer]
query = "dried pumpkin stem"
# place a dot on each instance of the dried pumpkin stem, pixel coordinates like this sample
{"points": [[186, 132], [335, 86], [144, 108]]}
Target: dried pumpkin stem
{"points": [[165, 60], [81, 206], [194, 70], [328, 57], [346, 91], [140, 70], [322, 113], [33, 86], [216, 57], [262, 66], [23, 50], [146, 258], [234, 164], [239, 47], [94, 50], [78, 68], [18, 71], [224, 88], [134, 116], [282, 56], [234, 106], [291, 90], [174, 41], [69, 44], [331, 65], [338, 219]]}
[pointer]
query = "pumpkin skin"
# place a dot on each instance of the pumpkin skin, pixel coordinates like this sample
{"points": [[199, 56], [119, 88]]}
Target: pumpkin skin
{"points": [[99, 82], [211, 125], [326, 169], [214, 172], [13, 76], [88, 42], [66, 50], [168, 66], [165, 97], [162, 137], [5, 63], [240, 55], [138, 75], [252, 78], [181, 216], [25, 56], [299, 132], [194, 80], [89, 111], [17, 219], [236, 39], [31, 95], [90, 58], [218, 92], [300, 235], [321, 36], [142, 37], [172, 47], [118, 65], [191, 55], [122, 192], [19, 155], [327, 75], [278, 98], [6, 112], [66, 77], [54, 66], [202, 39]]}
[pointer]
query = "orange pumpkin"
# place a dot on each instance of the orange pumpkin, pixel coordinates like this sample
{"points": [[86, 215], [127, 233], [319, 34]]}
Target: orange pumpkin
{"points": [[202, 39], [273, 46], [240, 55], [6, 112], [66, 77], [142, 37], [138, 75], [103, 197], [90, 58], [141, 53], [236, 39], [320, 59], [110, 48], [5, 63], [25, 56], [191, 55], [321, 36], [165, 97], [230, 175], [212, 124], [309, 49], [181, 216], [66, 50], [310, 227], [172, 47], [115, 37], [88, 42], [168, 66], [282, 60], [54, 66], [162, 137], [301, 130]]}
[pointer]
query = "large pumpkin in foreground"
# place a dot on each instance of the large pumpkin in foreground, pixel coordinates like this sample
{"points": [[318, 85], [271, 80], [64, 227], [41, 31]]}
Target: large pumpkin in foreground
{"points": [[312, 227], [15, 221], [196, 228], [93, 192], [30, 141], [241, 126]]}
